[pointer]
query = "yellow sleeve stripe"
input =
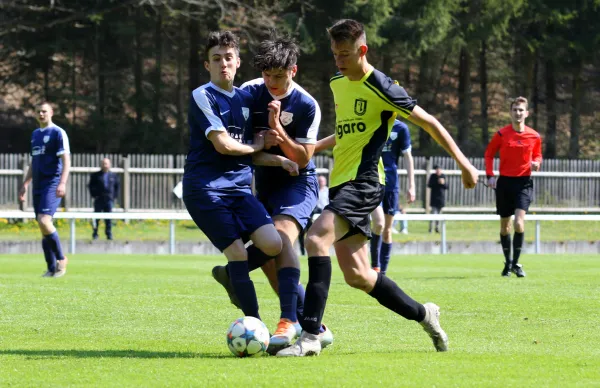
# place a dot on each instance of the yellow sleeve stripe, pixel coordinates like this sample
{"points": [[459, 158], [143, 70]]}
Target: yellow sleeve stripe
{"points": [[405, 111]]}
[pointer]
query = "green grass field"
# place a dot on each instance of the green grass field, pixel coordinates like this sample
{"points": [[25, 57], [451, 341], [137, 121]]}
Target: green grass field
{"points": [[138, 321], [187, 231]]}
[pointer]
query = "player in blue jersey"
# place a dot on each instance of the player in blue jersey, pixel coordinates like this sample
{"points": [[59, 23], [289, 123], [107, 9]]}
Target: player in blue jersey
{"points": [[49, 171], [383, 216], [218, 172], [291, 117]]}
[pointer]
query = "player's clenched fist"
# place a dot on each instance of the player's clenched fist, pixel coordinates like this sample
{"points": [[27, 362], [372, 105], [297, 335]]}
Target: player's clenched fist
{"points": [[469, 176]]}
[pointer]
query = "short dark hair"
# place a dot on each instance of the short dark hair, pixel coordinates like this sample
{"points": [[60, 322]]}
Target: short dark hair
{"points": [[435, 167], [519, 100], [277, 52], [347, 30], [222, 39]]}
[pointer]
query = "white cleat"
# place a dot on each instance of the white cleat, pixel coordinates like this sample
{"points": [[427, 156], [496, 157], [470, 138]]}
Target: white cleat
{"points": [[283, 337], [431, 324], [307, 345], [61, 266], [326, 337]]}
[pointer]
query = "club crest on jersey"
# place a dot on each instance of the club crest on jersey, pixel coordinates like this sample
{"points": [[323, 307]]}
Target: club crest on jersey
{"points": [[286, 117], [246, 112], [360, 106], [46, 139], [394, 135]]}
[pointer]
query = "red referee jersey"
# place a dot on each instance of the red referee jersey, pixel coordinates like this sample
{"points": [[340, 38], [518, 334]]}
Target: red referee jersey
{"points": [[517, 151]]}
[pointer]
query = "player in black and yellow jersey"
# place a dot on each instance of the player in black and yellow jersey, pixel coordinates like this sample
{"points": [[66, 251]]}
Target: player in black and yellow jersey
{"points": [[366, 104]]}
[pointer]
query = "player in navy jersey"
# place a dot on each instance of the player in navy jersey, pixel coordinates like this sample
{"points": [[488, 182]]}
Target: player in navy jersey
{"points": [[218, 172], [383, 216], [291, 117], [49, 171]]}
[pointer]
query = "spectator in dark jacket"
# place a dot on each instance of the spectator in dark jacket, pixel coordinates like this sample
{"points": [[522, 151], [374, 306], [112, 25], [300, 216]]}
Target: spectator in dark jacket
{"points": [[104, 189], [438, 185]]}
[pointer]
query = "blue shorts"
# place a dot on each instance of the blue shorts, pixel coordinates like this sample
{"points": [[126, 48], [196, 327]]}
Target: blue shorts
{"points": [[225, 218], [46, 202], [390, 202], [295, 197]]}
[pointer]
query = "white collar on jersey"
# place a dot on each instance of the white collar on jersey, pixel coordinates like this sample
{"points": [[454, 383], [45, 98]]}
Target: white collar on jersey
{"points": [[43, 129], [225, 92], [286, 94]]}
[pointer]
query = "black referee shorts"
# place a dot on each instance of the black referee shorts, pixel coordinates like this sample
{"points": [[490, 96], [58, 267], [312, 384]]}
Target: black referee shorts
{"points": [[355, 201], [513, 193]]}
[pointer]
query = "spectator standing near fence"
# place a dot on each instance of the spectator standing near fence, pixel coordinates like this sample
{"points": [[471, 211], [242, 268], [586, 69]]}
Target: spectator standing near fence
{"points": [[104, 189], [49, 171], [520, 150], [437, 199]]}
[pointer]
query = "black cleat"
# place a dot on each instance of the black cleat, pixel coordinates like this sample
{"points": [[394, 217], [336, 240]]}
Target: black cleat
{"points": [[517, 269], [220, 274], [506, 270]]}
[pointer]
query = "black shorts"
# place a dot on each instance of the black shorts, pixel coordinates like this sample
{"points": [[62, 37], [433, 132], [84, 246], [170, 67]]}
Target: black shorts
{"points": [[513, 193], [354, 201]]}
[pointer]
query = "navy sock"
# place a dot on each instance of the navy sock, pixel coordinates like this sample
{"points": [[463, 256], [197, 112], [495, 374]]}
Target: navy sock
{"points": [[55, 246], [386, 251], [256, 258], [48, 254], [300, 302], [375, 248], [317, 290], [244, 288], [388, 294], [288, 292], [505, 241], [517, 245]]}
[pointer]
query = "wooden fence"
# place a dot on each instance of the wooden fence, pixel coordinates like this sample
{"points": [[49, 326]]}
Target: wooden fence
{"points": [[153, 190]]}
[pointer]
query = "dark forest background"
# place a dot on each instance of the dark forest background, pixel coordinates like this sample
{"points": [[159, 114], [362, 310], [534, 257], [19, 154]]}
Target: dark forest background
{"points": [[120, 72]]}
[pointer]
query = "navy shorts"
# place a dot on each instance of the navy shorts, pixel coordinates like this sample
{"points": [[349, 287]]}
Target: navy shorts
{"points": [[46, 202], [513, 193], [355, 201], [295, 197], [390, 202], [225, 218]]}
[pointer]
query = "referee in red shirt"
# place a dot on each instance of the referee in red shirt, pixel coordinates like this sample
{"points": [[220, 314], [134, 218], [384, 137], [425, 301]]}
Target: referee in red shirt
{"points": [[520, 153]]}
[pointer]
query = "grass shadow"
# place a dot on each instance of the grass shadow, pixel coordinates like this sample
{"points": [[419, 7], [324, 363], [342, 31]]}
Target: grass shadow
{"points": [[117, 353]]}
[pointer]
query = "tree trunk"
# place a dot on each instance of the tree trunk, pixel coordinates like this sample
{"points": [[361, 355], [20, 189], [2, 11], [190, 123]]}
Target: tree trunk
{"points": [[423, 90], [73, 86], [158, 50], [535, 98], [180, 121], [464, 98], [194, 59], [100, 77], [550, 147], [137, 70], [577, 91], [483, 81]]}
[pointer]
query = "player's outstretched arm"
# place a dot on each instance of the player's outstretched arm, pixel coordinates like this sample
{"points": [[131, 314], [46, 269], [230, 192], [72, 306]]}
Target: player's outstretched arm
{"points": [[266, 159], [26, 181], [442, 137], [325, 143], [226, 145]]}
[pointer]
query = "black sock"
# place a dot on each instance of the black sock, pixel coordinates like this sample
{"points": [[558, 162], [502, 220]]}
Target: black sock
{"points": [[505, 241], [388, 294], [375, 249], [244, 288], [317, 290], [517, 245]]}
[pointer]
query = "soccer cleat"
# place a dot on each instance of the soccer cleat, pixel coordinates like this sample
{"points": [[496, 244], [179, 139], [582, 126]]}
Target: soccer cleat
{"points": [[61, 267], [431, 324], [220, 274], [325, 337], [404, 231], [306, 345], [517, 269], [283, 336], [48, 274], [506, 270]]}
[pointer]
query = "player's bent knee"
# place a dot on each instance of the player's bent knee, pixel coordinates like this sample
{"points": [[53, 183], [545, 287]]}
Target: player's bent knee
{"points": [[356, 279]]}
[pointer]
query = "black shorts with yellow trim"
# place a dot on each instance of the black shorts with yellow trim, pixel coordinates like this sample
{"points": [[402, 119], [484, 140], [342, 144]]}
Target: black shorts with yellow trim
{"points": [[354, 201]]}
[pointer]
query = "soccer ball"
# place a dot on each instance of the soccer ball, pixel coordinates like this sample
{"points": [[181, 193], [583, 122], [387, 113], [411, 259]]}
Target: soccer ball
{"points": [[248, 337]]}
